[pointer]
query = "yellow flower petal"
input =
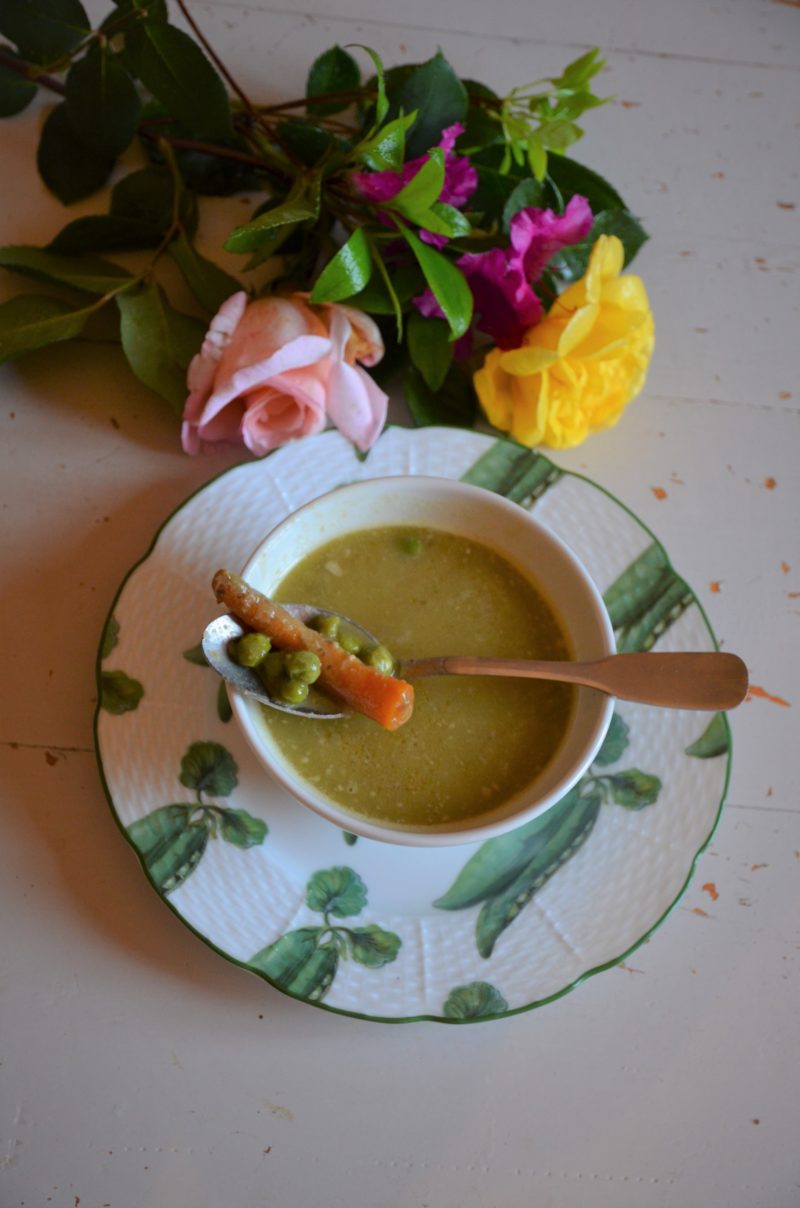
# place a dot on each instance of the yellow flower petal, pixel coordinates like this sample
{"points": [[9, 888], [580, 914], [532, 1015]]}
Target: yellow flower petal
{"points": [[578, 368]]}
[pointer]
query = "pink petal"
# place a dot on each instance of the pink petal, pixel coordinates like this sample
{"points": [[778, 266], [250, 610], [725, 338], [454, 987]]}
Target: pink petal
{"points": [[537, 235], [293, 405], [356, 404], [300, 352]]}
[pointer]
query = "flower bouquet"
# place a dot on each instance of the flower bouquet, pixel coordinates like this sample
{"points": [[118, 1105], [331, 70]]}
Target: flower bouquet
{"points": [[408, 224]]}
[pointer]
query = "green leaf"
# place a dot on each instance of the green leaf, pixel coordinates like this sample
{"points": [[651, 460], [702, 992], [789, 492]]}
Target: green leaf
{"points": [[242, 829], [476, 1000], [447, 282], [44, 30], [372, 946], [210, 284], [175, 70], [430, 348], [570, 177], [102, 102], [405, 281], [614, 743], [195, 655], [304, 140], [16, 93], [385, 151], [103, 233], [297, 963], [87, 273], [147, 196], [557, 135], [338, 891], [423, 188], [481, 129], [634, 789], [301, 204], [434, 90], [159, 342], [119, 693], [571, 262], [207, 767], [333, 71], [714, 741], [444, 219], [378, 84], [67, 166], [453, 406], [347, 273], [527, 193], [110, 637], [349, 838], [224, 710], [32, 321], [537, 157]]}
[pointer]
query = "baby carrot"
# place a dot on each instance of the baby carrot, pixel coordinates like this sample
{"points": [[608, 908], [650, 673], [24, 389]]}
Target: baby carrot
{"points": [[382, 698]]}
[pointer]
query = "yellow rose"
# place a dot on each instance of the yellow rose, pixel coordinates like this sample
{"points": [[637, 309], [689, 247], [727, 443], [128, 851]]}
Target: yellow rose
{"points": [[581, 365]]}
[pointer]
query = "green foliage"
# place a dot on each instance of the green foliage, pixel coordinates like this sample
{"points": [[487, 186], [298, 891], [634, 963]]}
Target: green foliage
{"points": [[103, 105], [314, 226], [614, 743], [333, 71], [89, 274], [177, 73], [43, 31], [158, 341], [16, 92], [477, 1000], [67, 166], [437, 95], [119, 693], [347, 273], [338, 891], [110, 637], [241, 829], [208, 768], [31, 321]]}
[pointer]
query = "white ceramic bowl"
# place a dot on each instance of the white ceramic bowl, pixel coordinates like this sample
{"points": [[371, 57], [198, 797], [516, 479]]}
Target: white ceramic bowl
{"points": [[486, 517]]}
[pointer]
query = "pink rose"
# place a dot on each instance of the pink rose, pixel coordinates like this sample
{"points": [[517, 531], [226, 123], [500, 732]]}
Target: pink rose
{"points": [[276, 369]]}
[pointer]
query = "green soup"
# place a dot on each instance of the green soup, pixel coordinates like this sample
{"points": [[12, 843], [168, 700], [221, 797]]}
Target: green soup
{"points": [[472, 741]]}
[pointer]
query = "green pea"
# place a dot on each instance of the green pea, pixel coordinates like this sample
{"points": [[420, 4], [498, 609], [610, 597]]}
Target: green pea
{"points": [[293, 692], [273, 668], [350, 641], [410, 545], [303, 665], [251, 649], [328, 626], [381, 659]]}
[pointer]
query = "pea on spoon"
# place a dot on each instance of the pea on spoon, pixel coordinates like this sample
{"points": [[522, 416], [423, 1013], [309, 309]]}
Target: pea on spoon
{"points": [[710, 680]]}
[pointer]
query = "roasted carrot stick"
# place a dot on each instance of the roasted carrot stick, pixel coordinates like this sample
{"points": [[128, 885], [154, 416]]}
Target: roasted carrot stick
{"points": [[382, 698]]}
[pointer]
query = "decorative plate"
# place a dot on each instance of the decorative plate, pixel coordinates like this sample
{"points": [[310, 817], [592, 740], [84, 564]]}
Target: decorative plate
{"points": [[369, 929]]}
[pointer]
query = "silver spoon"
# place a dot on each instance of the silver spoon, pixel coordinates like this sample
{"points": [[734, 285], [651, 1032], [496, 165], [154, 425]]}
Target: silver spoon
{"points": [[703, 680]]}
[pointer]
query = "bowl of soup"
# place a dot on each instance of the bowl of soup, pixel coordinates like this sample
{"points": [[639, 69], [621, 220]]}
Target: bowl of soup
{"points": [[433, 567]]}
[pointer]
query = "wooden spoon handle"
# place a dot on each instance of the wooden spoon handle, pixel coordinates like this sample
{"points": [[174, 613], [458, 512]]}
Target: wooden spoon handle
{"points": [[676, 680]]}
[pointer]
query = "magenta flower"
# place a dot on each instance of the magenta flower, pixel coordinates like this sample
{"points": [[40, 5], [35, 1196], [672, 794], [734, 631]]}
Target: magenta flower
{"points": [[460, 179], [502, 279]]}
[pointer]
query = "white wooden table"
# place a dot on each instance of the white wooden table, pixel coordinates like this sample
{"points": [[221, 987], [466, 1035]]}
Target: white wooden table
{"points": [[138, 1068]]}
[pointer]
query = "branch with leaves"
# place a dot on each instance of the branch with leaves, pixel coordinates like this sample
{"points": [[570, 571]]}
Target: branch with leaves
{"points": [[425, 202]]}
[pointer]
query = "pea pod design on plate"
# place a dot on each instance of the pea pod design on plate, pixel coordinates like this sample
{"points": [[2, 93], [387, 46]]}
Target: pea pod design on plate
{"points": [[509, 469], [505, 873], [172, 839], [305, 962]]}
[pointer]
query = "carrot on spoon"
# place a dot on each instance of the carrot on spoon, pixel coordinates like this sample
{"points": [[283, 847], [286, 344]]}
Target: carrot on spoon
{"points": [[383, 698]]}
